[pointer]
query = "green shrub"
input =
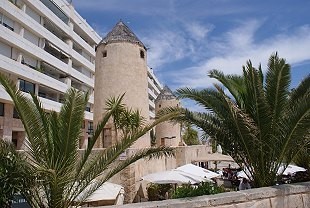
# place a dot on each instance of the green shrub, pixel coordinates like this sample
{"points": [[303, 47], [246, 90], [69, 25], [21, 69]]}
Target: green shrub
{"points": [[14, 175], [158, 192], [198, 190]]}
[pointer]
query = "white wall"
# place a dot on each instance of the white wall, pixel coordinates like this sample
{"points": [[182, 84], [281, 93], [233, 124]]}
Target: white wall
{"points": [[33, 14], [31, 37], [5, 49]]}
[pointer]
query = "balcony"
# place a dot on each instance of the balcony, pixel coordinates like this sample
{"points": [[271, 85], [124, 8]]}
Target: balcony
{"points": [[151, 105], [81, 78], [152, 84], [53, 72], [152, 94], [56, 10], [151, 114], [13, 67], [15, 40], [56, 52]]}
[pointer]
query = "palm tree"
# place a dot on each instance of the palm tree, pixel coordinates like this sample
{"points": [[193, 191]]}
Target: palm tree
{"points": [[190, 136], [255, 119], [303, 158], [64, 176]]}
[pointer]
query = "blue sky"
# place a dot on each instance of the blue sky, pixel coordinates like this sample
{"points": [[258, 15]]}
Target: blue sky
{"points": [[187, 38]]}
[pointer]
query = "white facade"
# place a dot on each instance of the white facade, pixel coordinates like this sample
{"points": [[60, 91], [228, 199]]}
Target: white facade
{"points": [[154, 88], [47, 47]]}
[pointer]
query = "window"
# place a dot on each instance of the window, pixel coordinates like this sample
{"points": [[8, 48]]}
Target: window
{"points": [[88, 106], [90, 127], [26, 86], [141, 54], [1, 109], [104, 53], [15, 113], [6, 22], [42, 94]]}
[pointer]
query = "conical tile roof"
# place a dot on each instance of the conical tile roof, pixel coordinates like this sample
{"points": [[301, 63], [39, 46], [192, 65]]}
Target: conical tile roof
{"points": [[166, 94], [120, 33]]}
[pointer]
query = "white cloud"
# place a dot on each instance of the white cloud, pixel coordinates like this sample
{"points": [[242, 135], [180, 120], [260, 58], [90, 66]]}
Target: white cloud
{"points": [[176, 40], [165, 46], [197, 30], [241, 38], [240, 46]]}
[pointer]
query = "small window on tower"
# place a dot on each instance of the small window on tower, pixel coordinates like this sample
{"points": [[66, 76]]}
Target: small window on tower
{"points": [[104, 54], [1, 109], [141, 54], [159, 106]]}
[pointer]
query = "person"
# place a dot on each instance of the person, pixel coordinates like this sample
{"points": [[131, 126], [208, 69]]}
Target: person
{"points": [[244, 184]]}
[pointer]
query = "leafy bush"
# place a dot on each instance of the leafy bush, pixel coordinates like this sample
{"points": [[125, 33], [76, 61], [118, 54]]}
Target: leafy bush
{"points": [[14, 174], [158, 192], [198, 190]]}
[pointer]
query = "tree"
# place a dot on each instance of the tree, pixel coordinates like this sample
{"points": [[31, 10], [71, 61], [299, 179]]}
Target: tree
{"points": [[62, 174], [258, 121], [302, 159], [190, 136], [14, 173]]}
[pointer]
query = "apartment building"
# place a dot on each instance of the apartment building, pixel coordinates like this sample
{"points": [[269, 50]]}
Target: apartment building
{"points": [[46, 47], [154, 89]]}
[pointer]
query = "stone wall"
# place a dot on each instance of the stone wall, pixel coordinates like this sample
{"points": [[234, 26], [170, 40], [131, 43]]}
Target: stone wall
{"points": [[282, 196]]}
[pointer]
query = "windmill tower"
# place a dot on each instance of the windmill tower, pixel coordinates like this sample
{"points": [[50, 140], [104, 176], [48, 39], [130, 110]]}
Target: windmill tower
{"points": [[121, 67], [167, 133]]}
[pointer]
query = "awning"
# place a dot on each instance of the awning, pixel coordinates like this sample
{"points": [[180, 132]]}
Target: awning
{"points": [[173, 176], [199, 171], [214, 157]]}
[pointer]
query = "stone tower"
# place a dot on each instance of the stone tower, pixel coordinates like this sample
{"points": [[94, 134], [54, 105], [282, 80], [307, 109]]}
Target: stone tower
{"points": [[121, 67], [167, 133]]}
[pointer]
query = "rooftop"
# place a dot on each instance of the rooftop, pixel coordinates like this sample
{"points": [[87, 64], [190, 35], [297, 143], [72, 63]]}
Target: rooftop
{"points": [[121, 33], [166, 94]]}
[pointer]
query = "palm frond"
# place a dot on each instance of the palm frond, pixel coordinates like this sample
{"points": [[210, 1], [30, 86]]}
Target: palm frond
{"points": [[277, 85], [115, 106], [295, 125], [300, 91], [209, 99], [147, 153], [233, 83], [30, 117], [111, 153]]}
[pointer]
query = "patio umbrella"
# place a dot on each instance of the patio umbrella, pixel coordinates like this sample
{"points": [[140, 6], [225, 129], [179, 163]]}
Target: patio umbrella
{"points": [[291, 169], [172, 176], [107, 192], [242, 174], [198, 171]]}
